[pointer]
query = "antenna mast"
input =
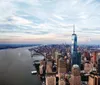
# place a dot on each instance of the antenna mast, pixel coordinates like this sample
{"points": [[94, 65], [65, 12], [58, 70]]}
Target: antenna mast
{"points": [[73, 29]]}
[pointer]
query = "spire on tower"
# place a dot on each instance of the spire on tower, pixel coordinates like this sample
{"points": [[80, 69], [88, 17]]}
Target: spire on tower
{"points": [[73, 29]]}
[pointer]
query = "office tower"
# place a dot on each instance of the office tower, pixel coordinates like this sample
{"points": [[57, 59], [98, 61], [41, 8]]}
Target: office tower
{"points": [[41, 69], [57, 54], [75, 70], [53, 52], [88, 67], [75, 76], [49, 67], [62, 81], [50, 80], [94, 80], [62, 66], [75, 80], [79, 59], [98, 66], [74, 47], [87, 55], [91, 80], [98, 56], [94, 57]]}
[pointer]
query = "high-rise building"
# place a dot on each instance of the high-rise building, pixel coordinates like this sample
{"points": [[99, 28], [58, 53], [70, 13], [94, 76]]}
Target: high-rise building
{"points": [[98, 56], [75, 76], [74, 47], [57, 54], [51, 80], [98, 66], [62, 82], [74, 41], [79, 59], [62, 66], [49, 67], [94, 57]]}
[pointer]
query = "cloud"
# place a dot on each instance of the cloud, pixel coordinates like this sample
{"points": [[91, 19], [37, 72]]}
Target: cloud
{"points": [[50, 20], [59, 17], [19, 21]]}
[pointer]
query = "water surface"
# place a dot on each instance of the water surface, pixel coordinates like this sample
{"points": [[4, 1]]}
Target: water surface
{"points": [[16, 66]]}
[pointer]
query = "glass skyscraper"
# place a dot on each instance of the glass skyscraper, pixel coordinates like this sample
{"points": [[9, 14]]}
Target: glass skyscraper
{"points": [[74, 48]]}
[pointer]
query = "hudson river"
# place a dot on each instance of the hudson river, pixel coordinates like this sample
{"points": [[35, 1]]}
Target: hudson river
{"points": [[16, 66]]}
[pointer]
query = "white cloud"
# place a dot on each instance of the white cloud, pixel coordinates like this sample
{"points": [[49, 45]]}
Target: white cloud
{"points": [[6, 9], [57, 16], [20, 21], [35, 17]]}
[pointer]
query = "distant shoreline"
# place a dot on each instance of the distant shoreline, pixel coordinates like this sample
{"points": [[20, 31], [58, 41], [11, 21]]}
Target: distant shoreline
{"points": [[14, 46]]}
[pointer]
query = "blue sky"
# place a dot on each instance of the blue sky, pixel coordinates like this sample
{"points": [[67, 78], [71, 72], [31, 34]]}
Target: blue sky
{"points": [[49, 21]]}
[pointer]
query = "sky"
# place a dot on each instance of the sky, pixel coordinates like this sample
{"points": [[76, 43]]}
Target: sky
{"points": [[49, 21]]}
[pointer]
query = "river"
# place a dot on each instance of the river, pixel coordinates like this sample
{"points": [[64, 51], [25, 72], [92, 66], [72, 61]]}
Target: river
{"points": [[16, 66]]}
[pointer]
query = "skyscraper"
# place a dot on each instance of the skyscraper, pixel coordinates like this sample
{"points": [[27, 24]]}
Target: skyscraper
{"points": [[51, 79], [74, 47], [62, 66]]}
